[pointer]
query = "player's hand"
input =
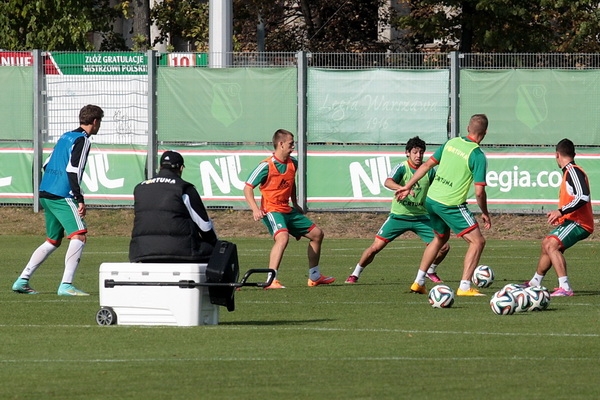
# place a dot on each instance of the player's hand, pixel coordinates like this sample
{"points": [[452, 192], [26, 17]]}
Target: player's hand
{"points": [[553, 217], [487, 221], [258, 214], [81, 210], [402, 193], [299, 209]]}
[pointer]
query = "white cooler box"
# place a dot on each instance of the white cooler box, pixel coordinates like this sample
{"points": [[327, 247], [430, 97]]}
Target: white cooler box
{"points": [[155, 305]]}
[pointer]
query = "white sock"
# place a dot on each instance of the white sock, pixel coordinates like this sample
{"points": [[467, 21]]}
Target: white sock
{"points": [[314, 273], [37, 258], [563, 282], [465, 285], [72, 259], [274, 274], [420, 279], [536, 280], [357, 270], [432, 269]]}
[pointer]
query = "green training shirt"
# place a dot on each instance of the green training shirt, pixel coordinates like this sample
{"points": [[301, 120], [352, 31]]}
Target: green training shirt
{"points": [[411, 205], [460, 163]]}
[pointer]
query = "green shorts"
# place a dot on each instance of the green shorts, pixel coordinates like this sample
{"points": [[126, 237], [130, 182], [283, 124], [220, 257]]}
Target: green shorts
{"points": [[62, 216], [444, 218], [568, 233], [294, 222], [395, 225]]}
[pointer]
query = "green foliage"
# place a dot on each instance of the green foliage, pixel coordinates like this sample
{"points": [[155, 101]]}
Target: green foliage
{"points": [[369, 340], [53, 25], [186, 19], [504, 25]]}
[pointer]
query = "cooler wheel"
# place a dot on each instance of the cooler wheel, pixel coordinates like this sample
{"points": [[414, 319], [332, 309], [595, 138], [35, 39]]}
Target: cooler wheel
{"points": [[106, 316]]}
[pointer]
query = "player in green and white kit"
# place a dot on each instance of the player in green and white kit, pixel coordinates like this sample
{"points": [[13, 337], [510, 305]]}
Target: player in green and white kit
{"points": [[460, 162], [406, 215]]}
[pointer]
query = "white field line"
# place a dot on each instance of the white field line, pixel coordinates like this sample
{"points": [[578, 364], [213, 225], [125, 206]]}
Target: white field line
{"points": [[311, 359], [350, 330]]}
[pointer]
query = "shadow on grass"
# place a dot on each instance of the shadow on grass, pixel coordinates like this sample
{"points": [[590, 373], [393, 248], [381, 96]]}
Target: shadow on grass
{"points": [[278, 322]]}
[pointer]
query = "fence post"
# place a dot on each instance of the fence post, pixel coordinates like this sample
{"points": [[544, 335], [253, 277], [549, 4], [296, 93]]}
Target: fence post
{"points": [[39, 129], [454, 94], [152, 149], [301, 134]]}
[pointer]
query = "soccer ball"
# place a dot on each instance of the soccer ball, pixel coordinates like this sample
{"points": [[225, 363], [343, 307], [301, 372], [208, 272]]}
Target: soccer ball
{"points": [[441, 296], [509, 287], [483, 276], [539, 296], [522, 298], [503, 303]]}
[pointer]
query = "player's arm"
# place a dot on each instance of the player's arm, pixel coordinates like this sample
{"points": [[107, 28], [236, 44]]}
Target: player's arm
{"points": [[75, 167], [258, 176], [581, 191], [581, 195], [199, 215], [478, 166], [404, 191], [395, 176]]}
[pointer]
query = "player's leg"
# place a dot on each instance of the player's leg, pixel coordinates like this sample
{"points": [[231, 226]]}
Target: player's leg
{"points": [[562, 238], [461, 220], [300, 225], [276, 224], [441, 236], [54, 235], [425, 232], [389, 230], [66, 211]]}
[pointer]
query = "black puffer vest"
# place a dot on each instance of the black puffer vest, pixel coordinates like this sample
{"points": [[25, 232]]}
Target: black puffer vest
{"points": [[162, 229]]}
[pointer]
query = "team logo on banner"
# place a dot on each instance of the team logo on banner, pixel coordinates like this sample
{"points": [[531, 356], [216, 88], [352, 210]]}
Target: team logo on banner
{"points": [[531, 108], [226, 103]]}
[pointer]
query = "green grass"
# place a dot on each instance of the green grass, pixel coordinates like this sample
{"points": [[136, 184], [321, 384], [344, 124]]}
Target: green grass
{"points": [[372, 340]]}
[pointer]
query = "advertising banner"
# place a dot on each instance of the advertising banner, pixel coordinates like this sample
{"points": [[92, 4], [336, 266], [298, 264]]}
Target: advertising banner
{"points": [[16, 101], [337, 179], [377, 106], [533, 106], [109, 178], [225, 105]]}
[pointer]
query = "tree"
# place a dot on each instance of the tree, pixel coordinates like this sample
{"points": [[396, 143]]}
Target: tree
{"points": [[317, 25], [54, 25], [503, 25]]}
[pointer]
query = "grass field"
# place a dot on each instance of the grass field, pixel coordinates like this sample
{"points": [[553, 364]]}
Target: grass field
{"points": [[372, 340]]}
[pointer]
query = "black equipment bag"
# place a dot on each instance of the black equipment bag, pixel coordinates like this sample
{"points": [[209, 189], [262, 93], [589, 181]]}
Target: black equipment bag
{"points": [[223, 267]]}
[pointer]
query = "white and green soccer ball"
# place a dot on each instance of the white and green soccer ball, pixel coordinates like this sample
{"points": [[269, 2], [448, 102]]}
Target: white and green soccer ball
{"points": [[483, 276], [441, 296]]}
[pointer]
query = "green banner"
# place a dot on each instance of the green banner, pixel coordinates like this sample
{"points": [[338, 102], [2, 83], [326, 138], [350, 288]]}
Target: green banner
{"points": [[377, 106], [16, 103], [225, 105], [533, 106], [351, 178], [109, 178], [101, 63]]}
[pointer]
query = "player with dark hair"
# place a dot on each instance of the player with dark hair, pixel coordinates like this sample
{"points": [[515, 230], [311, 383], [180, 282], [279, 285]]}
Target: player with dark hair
{"points": [[63, 202], [573, 221], [170, 223], [406, 215], [276, 178], [460, 162]]}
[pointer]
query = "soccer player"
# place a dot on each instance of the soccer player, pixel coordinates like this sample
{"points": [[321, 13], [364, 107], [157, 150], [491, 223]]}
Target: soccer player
{"points": [[171, 223], [63, 202], [276, 178], [573, 221], [460, 162], [406, 215]]}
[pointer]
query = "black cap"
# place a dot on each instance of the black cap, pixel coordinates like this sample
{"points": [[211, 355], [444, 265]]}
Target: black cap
{"points": [[171, 159]]}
